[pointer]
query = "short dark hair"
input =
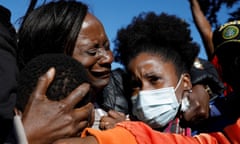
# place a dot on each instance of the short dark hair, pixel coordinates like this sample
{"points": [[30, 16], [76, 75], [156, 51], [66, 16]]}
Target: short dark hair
{"points": [[51, 28], [69, 74], [165, 34]]}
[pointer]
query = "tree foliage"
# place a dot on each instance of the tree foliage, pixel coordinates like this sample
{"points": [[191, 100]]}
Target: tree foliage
{"points": [[211, 8]]}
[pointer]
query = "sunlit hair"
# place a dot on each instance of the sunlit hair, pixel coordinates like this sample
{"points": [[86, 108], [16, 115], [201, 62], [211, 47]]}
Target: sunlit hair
{"points": [[163, 33]]}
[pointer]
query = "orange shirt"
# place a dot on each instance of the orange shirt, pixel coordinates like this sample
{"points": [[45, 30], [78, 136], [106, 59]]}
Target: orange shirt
{"points": [[117, 135], [139, 133]]}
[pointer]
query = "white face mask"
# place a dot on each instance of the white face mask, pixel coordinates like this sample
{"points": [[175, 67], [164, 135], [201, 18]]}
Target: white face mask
{"points": [[156, 107]]}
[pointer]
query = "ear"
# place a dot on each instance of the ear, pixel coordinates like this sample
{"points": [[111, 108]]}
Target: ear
{"points": [[17, 112], [187, 81], [186, 85]]}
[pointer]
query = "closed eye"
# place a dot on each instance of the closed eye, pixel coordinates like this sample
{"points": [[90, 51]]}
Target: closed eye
{"points": [[106, 46], [92, 52]]}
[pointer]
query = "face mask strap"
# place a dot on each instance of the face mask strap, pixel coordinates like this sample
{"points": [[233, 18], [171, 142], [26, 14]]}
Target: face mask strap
{"points": [[179, 82]]}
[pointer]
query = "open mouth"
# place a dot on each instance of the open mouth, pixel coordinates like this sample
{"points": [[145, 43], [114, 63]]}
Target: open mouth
{"points": [[103, 74]]}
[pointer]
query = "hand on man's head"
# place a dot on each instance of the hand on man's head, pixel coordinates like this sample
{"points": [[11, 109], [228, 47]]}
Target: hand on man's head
{"points": [[46, 121]]}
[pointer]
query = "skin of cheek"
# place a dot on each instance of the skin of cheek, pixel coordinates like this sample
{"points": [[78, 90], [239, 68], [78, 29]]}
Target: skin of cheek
{"points": [[199, 101]]}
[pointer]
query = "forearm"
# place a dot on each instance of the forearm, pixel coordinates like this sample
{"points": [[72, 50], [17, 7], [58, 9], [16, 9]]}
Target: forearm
{"points": [[144, 134], [117, 135], [140, 133], [203, 27]]}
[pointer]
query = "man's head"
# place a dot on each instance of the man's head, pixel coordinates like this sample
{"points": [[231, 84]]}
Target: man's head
{"points": [[69, 75], [226, 40], [228, 33]]}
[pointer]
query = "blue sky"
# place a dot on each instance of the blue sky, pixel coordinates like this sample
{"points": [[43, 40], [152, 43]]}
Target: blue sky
{"points": [[115, 14]]}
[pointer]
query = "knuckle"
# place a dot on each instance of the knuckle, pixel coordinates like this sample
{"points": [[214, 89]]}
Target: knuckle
{"points": [[69, 119], [62, 106]]}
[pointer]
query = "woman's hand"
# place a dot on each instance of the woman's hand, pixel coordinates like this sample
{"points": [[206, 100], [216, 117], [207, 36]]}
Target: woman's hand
{"points": [[114, 117], [46, 121]]}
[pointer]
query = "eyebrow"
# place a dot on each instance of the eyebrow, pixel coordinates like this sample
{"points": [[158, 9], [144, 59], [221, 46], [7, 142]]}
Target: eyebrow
{"points": [[151, 73]]}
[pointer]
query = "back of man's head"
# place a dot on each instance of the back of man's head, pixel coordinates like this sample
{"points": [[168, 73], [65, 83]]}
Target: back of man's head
{"points": [[69, 75], [226, 40]]}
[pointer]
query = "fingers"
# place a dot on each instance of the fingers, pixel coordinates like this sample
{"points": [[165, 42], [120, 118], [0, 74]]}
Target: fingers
{"points": [[42, 84], [116, 114], [110, 121], [81, 126], [75, 121], [106, 125], [102, 125], [84, 112], [84, 116], [76, 95]]}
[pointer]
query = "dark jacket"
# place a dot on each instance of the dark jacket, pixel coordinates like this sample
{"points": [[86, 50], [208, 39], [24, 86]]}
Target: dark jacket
{"points": [[8, 71], [115, 94]]}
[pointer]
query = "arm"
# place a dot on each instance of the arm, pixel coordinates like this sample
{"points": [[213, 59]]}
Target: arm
{"points": [[77, 140], [45, 121], [203, 27], [140, 133], [117, 135]]}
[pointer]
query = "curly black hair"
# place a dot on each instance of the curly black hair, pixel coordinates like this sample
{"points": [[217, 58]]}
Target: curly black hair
{"points": [[161, 30], [69, 74]]}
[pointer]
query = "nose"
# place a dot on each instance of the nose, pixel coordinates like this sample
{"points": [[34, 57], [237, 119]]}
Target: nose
{"points": [[105, 56], [203, 113]]}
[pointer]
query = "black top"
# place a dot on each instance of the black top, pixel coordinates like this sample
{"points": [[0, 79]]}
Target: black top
{"points": [[8, 71]]}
